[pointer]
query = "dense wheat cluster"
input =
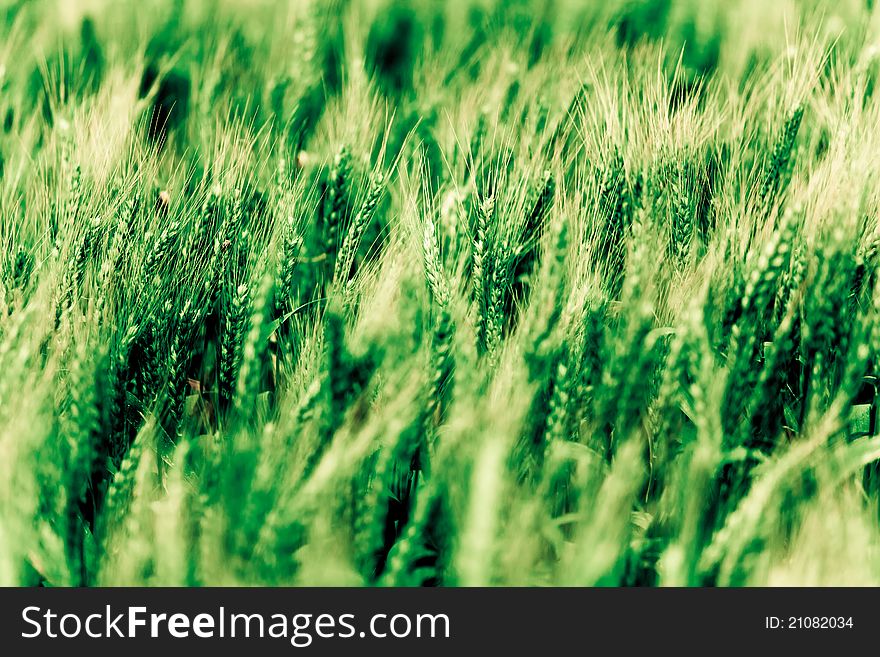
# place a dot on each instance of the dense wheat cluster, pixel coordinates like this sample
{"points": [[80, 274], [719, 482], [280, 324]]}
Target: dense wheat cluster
{"points": [[480, 292]]}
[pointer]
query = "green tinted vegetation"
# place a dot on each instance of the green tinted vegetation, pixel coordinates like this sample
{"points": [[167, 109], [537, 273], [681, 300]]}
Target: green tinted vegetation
{"points": [[486, 292]]}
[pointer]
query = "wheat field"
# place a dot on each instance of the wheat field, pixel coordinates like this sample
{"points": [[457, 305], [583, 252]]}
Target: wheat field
{"points": [[467, 293]]}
